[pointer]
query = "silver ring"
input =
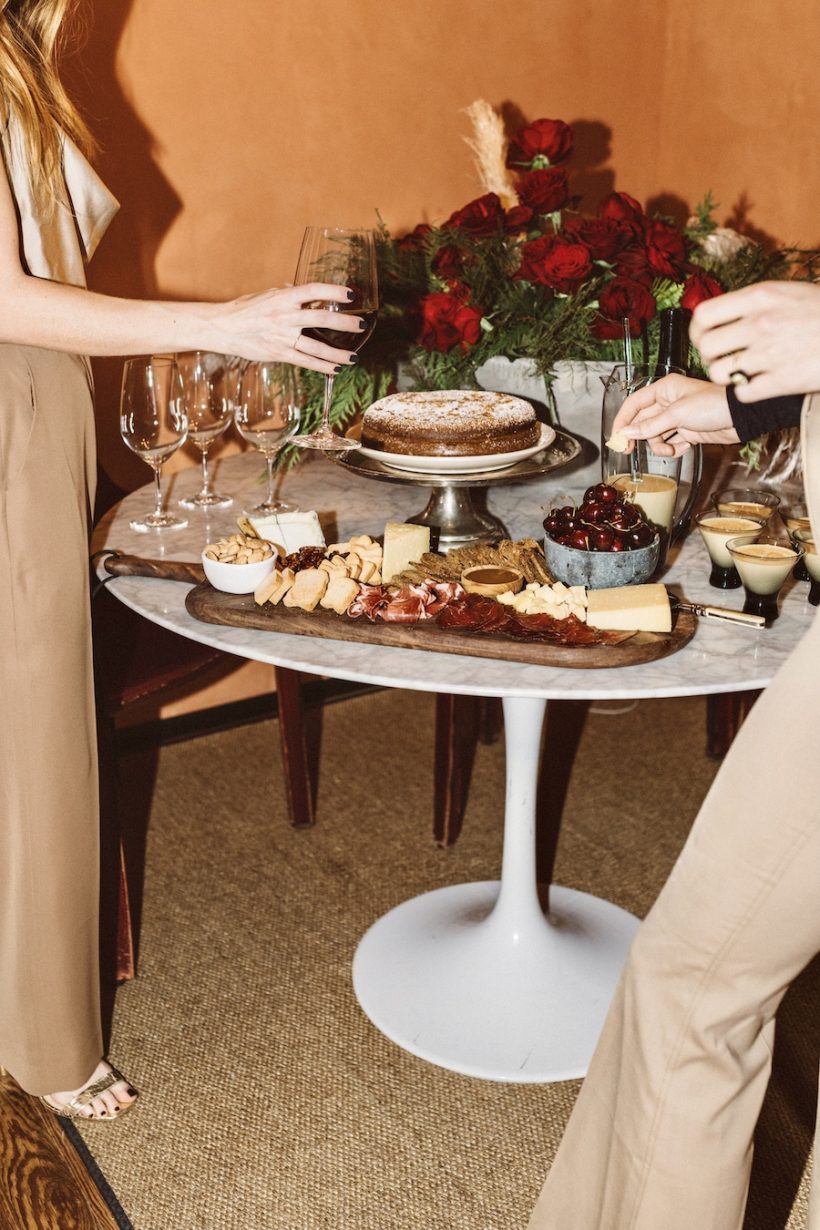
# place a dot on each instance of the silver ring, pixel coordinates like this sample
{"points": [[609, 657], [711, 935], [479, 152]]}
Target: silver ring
{"points": [[738, 376]]}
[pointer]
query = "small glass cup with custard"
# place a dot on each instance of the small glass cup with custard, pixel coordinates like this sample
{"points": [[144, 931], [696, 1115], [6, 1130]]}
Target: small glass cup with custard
{"points": [[716, 530], [764, 566], [757, 502], [811, 560], [795, 516]]}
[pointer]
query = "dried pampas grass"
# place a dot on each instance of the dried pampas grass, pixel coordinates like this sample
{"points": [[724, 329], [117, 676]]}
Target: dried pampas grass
{"points": [[489, 146], [781, 457]]}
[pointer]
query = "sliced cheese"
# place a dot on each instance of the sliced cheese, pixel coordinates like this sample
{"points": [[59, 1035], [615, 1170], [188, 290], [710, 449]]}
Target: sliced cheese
{"points": [[293, 530], [630, 608], [403, 545], [307, 590]]}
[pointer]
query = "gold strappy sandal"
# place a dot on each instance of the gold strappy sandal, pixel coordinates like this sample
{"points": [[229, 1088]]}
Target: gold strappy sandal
{"points": [[74, 1109]]}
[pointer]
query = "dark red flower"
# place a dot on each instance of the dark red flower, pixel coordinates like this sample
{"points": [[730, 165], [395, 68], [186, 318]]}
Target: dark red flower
{"points": [[550, 261], [518, 218], [602, 236], [482, 217], [633, 263], [448, 262], [448, 321], [544, 191], [623, 297], [622, 208], [414, 240], [697, 288], [666, 248], [547, 139]]}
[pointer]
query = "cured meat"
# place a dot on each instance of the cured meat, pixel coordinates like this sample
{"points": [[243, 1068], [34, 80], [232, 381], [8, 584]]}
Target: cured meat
{"points": [[369, 601], [477, 613]]}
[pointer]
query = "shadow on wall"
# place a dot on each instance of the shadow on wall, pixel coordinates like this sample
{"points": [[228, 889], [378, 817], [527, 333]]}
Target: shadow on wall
{"points": [[125, 262]]}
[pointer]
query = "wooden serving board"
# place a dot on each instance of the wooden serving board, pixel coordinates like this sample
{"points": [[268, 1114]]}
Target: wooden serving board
{"points": [[240, 611]]}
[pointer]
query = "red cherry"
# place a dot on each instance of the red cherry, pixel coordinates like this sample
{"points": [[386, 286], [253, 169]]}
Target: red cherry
{"points": [[640, 535], [579, 540], [607, 494], [551, 524], [617, 544], [563, 539], [601, 538]]}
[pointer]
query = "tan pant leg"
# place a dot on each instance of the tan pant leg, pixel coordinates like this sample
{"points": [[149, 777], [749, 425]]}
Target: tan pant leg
{"points": [[661, 1135], [814, 1202], [49, 998]]}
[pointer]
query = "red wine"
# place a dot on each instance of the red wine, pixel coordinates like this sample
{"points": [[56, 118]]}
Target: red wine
{"points": [[341, 339]]}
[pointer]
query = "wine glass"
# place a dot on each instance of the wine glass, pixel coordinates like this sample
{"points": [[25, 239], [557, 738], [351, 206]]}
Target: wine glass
{"points": [[207, 402], [344, 257], [267, 412], [153, 424]]}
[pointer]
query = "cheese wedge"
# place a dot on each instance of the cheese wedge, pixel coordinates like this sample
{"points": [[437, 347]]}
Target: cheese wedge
{"points": [[292, 530], [630, 608], [403, 545]]}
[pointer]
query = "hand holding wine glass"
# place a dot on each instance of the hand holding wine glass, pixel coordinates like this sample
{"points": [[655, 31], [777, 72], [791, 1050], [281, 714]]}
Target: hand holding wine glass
{"points": [[208, 404], [344, 257], [266, 413], [153, 424]]}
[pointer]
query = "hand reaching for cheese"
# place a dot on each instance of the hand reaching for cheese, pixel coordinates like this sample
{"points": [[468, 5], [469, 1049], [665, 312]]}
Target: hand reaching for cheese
{"points": [[675, 413]]}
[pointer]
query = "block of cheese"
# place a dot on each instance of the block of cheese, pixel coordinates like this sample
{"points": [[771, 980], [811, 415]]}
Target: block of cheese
{"points": [[291, 530], [403, 545], [630, 608]]}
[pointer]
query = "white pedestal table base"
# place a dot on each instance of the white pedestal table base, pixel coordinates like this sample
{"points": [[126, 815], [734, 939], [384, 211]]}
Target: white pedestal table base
{"points": [[475, 978]]}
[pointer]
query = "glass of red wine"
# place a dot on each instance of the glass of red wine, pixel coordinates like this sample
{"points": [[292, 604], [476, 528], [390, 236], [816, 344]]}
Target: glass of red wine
{"points": [[343, 257]]}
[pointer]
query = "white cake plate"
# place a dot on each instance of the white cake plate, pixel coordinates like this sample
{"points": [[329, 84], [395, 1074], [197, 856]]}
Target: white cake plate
{"points": [[475, 978]]}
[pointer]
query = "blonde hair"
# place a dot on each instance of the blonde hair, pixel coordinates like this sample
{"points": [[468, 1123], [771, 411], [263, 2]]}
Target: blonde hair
{"points": [[30, 86]]}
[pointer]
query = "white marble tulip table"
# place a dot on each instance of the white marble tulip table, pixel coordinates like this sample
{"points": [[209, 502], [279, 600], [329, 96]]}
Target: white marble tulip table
{"points": [[473, 977]]}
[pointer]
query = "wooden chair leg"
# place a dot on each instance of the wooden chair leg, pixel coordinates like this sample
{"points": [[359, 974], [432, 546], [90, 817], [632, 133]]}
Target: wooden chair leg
{"points": [[455, 741], [725, 712], [126, 966], [298, 786], [491, 719]]}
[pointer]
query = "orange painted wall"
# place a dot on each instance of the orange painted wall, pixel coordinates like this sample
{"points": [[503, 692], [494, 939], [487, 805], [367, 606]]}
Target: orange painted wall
{"points": [[227, 127]]}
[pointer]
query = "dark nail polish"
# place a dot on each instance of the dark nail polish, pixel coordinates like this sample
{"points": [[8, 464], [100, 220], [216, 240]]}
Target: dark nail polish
{"points": [[354, 358], [350, 296], [338, 367], [362, 324]]}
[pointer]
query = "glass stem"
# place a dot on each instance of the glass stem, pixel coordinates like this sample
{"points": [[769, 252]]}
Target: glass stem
{"points": [[270, 458], [206, 490], [325, 430], [157, 468]]}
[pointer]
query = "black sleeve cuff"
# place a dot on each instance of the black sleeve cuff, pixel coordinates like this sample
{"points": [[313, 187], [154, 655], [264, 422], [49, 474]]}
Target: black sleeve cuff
{"points": [[755, 418]]}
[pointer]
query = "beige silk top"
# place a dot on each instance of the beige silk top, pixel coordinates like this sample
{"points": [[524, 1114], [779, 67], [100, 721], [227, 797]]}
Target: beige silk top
{"points": [[56, 241]]}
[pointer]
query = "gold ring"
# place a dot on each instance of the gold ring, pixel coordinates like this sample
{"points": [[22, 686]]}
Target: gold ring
{"points": [[738, 376]]}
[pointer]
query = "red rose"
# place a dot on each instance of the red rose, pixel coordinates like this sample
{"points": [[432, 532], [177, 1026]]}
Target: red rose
{"points": [[623, 297], [544, 191], [550, 261], [479, 218], [633, 263], [518, 218], [448, 262], [447, 321], [547, 139], [665, 247], [602, 236], [414, 240], [697, 288], [622, 208]]}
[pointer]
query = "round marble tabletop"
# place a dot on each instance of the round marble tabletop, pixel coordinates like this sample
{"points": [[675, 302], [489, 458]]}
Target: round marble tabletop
{"points": [[720, 658]]}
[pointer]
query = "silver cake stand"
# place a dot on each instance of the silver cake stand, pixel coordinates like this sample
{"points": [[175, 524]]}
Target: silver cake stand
{"points": [[456, 509]]}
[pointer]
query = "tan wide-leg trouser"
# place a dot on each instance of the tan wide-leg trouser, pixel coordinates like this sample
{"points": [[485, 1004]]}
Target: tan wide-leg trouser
{"points": [[49, 998], [661, 1135]]}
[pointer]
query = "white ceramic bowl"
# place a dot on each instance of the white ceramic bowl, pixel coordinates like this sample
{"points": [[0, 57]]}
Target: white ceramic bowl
{"points": [[237, 578]]}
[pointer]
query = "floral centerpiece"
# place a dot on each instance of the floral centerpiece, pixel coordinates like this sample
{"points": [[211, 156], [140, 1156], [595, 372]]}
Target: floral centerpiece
{"points": [[522, 271]]}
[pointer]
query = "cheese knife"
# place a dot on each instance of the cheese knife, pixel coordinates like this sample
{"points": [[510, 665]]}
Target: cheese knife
{"points": [[721, 614]]}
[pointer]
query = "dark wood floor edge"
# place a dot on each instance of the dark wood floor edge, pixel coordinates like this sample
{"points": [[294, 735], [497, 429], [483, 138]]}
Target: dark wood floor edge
{"points": [[218, 718], [121, 1218]]}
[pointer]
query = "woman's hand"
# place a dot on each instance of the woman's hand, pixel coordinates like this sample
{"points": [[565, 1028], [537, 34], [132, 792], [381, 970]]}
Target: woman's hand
{"points": [[270, 326], [770, 332], [674, 413]]}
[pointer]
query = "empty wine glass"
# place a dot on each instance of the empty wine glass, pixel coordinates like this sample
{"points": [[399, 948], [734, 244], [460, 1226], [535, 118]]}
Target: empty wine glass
{"points": [[206, 398], [154, 425], [343, 257], [267, 413]]}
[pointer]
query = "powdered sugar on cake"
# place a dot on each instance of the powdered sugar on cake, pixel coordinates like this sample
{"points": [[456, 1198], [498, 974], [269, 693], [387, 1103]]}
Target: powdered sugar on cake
{"points": [[450, 422]]}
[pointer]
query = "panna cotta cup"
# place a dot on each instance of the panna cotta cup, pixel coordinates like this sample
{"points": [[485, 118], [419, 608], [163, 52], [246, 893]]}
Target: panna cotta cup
{"points": [[811, 562], [795, 516], [746, 502], [654, 494], [716, 531], [763, 566]]}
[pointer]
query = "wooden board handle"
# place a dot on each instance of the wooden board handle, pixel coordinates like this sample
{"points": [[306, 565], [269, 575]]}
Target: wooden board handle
{"points": [[165, 569]]}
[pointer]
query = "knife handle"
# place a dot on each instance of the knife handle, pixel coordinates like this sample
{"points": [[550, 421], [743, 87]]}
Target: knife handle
{"points": [[165, 569], [726, 615]]}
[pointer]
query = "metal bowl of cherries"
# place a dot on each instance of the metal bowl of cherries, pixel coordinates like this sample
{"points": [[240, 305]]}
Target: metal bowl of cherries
{"points": [[604, 541]]}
